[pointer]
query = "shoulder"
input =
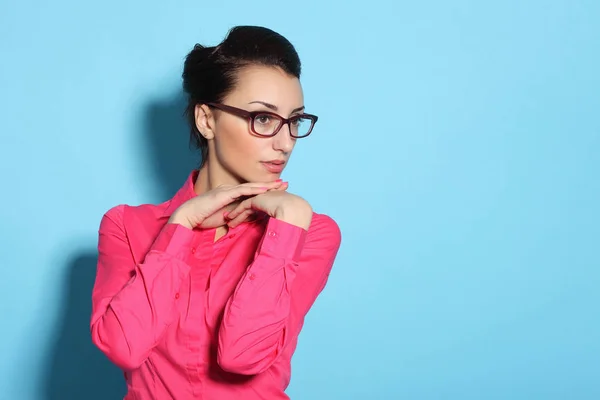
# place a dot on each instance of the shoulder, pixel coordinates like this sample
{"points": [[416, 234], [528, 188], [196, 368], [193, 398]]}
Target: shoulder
{"points": [[324, 231], [118, 216], [113, 218], [324, 223]]}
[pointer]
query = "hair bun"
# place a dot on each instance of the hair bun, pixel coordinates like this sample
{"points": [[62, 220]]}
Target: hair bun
{"points": [[195, 62], [201, 53]]}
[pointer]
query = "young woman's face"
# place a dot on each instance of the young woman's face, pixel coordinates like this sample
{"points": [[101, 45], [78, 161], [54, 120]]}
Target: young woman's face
{"points": [[244, 155]]}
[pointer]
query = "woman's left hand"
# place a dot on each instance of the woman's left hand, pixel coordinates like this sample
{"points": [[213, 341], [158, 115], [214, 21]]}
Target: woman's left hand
{"points": [[277, 204]]}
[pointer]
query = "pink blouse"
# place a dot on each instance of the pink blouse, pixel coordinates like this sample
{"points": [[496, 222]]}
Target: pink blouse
{"points": [[186, 317]]}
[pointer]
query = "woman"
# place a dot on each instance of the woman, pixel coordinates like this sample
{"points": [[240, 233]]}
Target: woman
{"points": [[203, 296]]}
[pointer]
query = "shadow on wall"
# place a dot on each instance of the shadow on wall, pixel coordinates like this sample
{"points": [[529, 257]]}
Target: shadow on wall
{"points": [[76, 369], [166, 133]]}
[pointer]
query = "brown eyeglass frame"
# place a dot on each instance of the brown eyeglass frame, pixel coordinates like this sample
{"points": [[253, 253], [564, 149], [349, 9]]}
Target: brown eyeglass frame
{"points": [[250, 115]]}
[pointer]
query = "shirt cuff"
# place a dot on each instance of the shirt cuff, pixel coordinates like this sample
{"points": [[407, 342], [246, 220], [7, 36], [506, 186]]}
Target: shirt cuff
{"points": [[174, 240], [283, 240]]}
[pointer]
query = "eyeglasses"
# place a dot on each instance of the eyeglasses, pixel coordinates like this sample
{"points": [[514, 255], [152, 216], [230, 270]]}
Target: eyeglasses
{"points": [[268, 124]]}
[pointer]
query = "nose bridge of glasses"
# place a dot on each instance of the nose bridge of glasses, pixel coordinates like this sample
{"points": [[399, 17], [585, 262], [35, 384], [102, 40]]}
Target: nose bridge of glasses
{"points": [[284, 129], [283, 139], [282, 123]]}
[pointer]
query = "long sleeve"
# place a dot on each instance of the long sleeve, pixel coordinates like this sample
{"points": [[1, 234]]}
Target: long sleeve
{"points": [[267, 309], [133, 304]]}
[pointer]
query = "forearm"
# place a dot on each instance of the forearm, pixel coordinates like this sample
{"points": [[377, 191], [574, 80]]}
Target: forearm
{"points": [[253, 328], [133, 304], [137, 316]]}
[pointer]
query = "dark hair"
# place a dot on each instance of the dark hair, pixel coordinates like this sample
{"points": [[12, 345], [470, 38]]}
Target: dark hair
{"points": [[210, 73]]}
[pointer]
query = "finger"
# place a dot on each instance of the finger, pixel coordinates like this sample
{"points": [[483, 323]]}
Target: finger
{"points": [[269, 185], [243, 216], [214, 220], [239, 193], [283, 186], [279, 185], [243, 206]]}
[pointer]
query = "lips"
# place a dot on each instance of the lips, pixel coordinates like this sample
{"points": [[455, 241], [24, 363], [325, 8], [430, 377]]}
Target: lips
{"points": [[274, 166]]}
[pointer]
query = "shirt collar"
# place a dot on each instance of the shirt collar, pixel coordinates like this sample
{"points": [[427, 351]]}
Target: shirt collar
{"points": [[185, 193]]}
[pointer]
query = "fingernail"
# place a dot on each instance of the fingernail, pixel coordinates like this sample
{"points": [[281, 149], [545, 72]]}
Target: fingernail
{"points": [[225, 214], [264, 188], [278, 180]]}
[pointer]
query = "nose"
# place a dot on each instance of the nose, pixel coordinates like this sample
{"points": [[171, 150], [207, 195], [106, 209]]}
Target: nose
{"points": [[283, 141]]}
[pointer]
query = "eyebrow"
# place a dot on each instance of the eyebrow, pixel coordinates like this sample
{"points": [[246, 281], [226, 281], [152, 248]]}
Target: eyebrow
{"points": [[274, 107]]}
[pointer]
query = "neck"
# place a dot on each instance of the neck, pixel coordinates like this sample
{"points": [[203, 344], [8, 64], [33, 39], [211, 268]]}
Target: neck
{"points": [[212, 175]]}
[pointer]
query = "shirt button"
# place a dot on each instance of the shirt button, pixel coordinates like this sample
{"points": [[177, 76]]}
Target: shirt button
{"points": [[232, 236], [176, 295], [193, 250], [251, 276], [272, 234]]}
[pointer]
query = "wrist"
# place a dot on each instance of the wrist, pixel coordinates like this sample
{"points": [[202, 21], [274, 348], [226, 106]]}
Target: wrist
{"points": [[178, 219], [299, 214]]}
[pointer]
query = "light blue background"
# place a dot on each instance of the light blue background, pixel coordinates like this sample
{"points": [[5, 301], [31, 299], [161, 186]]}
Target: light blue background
{"points": [[458, 147]]}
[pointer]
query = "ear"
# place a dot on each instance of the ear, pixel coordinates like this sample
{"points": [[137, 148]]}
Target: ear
{"points": [[205, 121]]}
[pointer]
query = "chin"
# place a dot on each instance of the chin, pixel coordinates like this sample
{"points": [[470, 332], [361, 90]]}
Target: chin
{"points": [[267, 178], [259, 178], [254, 174], [263, 176]]}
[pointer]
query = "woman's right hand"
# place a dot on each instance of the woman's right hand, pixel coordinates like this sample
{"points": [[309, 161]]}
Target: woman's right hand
{"points": [[208, 210]]}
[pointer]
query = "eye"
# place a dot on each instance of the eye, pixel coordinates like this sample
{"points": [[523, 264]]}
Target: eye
{"points": [[297, 121], [263, 119]]}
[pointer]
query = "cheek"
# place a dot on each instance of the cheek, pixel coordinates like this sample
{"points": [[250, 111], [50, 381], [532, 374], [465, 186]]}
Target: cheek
{"points": [[240, 148], [239, 151]]}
